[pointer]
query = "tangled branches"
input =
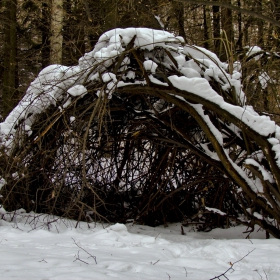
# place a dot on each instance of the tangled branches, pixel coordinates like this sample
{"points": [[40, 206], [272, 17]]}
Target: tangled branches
{"points": [[142, 129]]}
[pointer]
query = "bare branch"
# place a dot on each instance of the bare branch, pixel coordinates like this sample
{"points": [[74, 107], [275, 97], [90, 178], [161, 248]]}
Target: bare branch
{"points": [[231, 266], [90, 255]]}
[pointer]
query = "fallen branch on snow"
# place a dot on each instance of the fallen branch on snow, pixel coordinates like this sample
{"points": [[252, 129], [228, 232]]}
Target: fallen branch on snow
{"points": [[231, 267]]}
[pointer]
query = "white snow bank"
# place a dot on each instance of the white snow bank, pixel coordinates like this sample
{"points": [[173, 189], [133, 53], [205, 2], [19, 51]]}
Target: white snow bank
{"points": [[44, 247]]}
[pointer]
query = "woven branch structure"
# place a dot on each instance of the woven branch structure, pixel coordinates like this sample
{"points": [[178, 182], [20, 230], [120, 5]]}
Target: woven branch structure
{"points": [[144, 128]]}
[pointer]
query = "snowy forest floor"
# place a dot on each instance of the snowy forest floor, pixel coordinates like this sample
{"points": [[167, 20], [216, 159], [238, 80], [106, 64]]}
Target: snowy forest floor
{"points": [[45, 247]]}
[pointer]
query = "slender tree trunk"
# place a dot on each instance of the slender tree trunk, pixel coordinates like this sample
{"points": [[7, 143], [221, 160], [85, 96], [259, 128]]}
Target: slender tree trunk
{"points": [[46, 20], [9, 87], [75, 21], [276, 11], [79, 30], [1, 63], [260, 42], [240, 31], [227, 27], [111, 16], [56, 32], [246, 35], [68, 29], [179, 12], [208, 35], [216, 27], [95, 23]]}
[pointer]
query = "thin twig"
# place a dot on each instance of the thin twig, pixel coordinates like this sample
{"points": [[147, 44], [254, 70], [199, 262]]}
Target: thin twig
{"points": [[78, 258], [186, 272], [231, 266], [90, 255]]}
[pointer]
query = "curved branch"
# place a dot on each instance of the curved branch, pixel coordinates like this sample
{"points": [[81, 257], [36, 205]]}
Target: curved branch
{"points": [[174, 96], [262, 141], [238, 177]]}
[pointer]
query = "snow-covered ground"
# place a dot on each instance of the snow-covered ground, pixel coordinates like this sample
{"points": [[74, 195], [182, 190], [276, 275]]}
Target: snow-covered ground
{"points": [[44, 247]]}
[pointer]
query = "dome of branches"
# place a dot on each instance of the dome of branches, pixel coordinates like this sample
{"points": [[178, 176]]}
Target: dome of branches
{"points": [[147, 128]]}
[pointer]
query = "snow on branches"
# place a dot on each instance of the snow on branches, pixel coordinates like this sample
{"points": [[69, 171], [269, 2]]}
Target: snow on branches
{"points": [[141, 96]]}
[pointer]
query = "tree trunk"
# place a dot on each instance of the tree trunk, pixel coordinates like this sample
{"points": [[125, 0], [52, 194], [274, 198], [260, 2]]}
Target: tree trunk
{"points": [[9, 87], [240, 32], [227, 27], [75, 20], [208, 35], [93, 29], [276, 11], [260, 42], [179, 12], [111, 16], [216, 27], [46, 21], [56, 29]]}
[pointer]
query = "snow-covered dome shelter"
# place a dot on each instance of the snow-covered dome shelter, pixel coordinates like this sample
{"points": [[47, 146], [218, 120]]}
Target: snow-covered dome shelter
{"points": [[145, 127]]}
